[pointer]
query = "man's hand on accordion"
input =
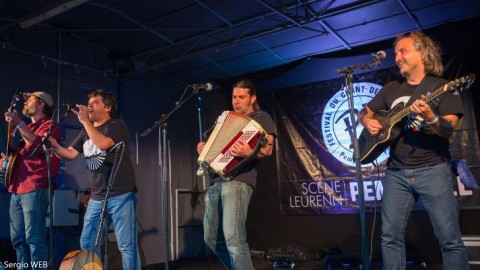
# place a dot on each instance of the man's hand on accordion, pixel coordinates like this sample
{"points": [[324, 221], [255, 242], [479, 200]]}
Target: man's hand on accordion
{"points": [[241, 149]]}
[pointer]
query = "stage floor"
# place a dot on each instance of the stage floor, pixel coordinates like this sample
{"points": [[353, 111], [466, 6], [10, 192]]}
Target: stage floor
{"points": [[204, 263]]}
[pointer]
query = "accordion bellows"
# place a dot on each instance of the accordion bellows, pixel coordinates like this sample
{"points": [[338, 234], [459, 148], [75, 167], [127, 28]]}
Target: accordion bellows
{"points": [[229, 128]]}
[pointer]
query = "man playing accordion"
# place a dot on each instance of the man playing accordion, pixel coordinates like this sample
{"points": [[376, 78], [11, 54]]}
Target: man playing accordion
{"points": [[226, 202]]}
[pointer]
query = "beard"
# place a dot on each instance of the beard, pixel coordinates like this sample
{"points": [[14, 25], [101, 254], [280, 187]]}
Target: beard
{"points": [[28, 111]]}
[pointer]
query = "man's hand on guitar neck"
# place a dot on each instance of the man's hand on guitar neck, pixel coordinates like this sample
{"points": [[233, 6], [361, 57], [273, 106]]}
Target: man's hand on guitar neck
{"points": [[13, 118], [365, 116], [422, 109], [441, 125]]}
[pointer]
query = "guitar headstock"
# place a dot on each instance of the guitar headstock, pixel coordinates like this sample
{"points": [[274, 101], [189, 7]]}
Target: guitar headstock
{"points": [[16, 97], [463, 83]]}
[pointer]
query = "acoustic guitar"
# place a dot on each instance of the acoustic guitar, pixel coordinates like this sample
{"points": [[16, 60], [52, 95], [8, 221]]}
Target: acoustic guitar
{"points": [[84, 259], [11, 153], [372, 146]]}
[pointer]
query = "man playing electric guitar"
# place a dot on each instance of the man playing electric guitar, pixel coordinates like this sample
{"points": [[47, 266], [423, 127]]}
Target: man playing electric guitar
{"points": [[418, 167], [29, 181]]}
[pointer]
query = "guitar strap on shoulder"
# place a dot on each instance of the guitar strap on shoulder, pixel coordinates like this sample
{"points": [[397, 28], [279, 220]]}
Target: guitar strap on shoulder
{"points": [[428, 84]]}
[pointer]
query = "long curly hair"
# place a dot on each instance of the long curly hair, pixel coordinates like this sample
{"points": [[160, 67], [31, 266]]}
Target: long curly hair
{"points": [[430, 51]]}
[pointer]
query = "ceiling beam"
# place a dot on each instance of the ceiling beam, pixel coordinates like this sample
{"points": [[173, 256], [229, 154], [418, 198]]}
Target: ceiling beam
{"points": [[219, 66], [228, 43], [172, 14], [410, 14], [216, 31], [51, 12], [44, 58], [338, 37], [272, 51], [278, 12], [44, 14], [137, 23], [203, 5]]}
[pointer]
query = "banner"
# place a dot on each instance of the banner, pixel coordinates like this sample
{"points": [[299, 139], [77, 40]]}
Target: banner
{"points": [[316, 169]]}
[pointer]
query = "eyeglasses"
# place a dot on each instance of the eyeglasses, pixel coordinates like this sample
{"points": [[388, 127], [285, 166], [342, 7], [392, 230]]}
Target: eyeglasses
{"points": [[32, 99]]}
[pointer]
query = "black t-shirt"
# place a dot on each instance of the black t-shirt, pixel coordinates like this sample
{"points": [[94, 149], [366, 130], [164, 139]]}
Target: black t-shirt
{"points": [[248, 174], [100, 163], [416, 147]]}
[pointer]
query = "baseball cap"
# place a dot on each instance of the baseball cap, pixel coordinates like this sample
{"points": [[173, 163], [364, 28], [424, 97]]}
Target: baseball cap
{"points": [[42, 95]]}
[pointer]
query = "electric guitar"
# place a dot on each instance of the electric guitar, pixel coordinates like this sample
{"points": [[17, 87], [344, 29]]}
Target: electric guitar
{"points": [[10, 153], [372, 146]]}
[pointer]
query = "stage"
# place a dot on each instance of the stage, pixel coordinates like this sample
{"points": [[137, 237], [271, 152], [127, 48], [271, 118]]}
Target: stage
{"points": [[212, 263]]}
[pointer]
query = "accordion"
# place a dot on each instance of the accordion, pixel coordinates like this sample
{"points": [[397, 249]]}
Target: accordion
{"points": [[230, 127]]}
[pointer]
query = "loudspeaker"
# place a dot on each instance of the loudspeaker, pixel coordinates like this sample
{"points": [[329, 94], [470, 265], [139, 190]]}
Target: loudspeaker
{"points": [[472, 243], [65, 208]]}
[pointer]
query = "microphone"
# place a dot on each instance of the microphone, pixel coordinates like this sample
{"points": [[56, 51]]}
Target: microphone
{"points": [[378, 57], [70, 106], [199, 86]]}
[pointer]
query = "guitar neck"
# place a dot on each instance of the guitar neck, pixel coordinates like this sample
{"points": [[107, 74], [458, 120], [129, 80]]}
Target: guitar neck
{"points": [[9, 146], [406, 111]]}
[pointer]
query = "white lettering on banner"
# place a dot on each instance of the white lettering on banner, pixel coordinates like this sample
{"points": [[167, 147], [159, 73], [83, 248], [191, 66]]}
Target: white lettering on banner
{"points": [[372, 190], [316, 201], [320, 194], [322, 187]]}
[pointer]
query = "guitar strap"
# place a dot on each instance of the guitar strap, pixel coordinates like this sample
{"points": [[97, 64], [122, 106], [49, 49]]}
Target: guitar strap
{"points": [[428, 84]]}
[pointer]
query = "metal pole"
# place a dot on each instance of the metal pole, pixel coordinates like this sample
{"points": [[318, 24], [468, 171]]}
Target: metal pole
{"points": [[200, 134], [163, 128], [358, 172]]}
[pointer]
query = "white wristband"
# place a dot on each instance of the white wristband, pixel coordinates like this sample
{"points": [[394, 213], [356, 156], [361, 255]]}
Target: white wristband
{"points": [[434, 120]]}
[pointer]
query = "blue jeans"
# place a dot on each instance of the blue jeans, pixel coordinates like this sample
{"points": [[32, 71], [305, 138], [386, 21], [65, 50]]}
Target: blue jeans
{"points": [[28, 232], [226, 207], [122, 211], [433, 186]]}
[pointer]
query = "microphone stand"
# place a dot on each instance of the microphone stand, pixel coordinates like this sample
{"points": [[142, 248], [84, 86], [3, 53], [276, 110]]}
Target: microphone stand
{"points": [[347, 75], [104, 211], [162, 123], [45, 142]]}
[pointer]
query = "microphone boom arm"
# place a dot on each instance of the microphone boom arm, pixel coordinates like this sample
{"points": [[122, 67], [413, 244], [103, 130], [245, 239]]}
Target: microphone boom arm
{"points": [[45, 140], [377, 58], [163, 119]]}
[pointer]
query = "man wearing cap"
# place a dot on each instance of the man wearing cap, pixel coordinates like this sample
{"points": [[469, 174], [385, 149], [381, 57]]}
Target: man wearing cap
{"points": [[29, 180]]}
